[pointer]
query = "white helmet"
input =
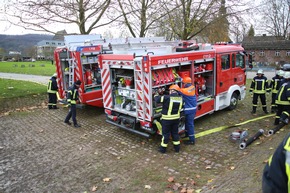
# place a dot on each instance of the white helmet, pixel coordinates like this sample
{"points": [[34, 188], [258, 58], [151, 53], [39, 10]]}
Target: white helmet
{"points": [[260, 71], [286, 75], [281, 73], [54, 75]]}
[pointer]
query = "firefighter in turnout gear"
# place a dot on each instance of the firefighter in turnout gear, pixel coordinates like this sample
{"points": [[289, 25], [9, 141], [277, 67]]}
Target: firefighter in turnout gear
{"points": [[275, 84], [283, 101], [276, 173], [189, 98], [72, 99], [171, 106], [52, 91], [259, 87]]}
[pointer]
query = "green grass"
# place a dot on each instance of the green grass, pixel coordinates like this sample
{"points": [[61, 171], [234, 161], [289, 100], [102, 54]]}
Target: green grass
{"points": [[44, 68], [15, 88]]}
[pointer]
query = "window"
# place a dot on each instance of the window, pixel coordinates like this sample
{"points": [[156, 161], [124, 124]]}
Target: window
{"points": [[225, 62], [262, 53], [58, 43], [47, 43], [240, 61], [53, 43], [277, 53], [287, 53]]}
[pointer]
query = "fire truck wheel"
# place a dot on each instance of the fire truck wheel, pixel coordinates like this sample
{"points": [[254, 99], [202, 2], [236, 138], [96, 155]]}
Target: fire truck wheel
{"points": [[233, 102]]}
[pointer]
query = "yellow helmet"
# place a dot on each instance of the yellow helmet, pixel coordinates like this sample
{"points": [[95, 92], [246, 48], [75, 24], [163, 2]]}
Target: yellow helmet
{"points": [[174, 87]]}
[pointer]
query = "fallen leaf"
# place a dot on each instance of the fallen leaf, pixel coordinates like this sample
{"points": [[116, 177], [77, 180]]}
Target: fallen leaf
{"points": [[94, 188], [192, 182], [197, 176], [210, 180], [147, 187], [171, 179], [198, 190], [183, 190], [271, 148], [208, 167], [265, 161], [107, 179], [190, 190], [232, 167]]}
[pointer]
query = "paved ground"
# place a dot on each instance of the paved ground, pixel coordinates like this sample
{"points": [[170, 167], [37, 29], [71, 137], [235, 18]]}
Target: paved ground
{"points": [[32, 78]]}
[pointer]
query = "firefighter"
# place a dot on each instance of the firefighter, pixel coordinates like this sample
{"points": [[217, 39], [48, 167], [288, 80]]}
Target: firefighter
{"points": [[275, 84], [52, 91], [259, 87], [172, 104], [276, 172], [189, 98], [283, 101], [72, 99]]}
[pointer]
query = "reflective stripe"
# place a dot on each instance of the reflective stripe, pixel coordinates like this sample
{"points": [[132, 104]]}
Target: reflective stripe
{"points": [[287, 161], [190, 108], [162, 143], [176, 142], [49, 88]]}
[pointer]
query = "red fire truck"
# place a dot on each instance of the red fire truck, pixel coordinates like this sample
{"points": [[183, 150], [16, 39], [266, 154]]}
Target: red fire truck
{"points": [[78, 60], [129, 83]]}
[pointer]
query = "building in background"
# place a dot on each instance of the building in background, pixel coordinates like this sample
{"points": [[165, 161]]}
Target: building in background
{"points": [[45, 48], [268, 50]]}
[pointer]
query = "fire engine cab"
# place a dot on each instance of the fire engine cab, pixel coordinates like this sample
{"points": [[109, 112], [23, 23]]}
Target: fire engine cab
{"points": [[130, 81]]}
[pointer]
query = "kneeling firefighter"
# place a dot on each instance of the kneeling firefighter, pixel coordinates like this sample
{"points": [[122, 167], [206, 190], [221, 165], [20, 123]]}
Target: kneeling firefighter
{"points": [[171, 106]]}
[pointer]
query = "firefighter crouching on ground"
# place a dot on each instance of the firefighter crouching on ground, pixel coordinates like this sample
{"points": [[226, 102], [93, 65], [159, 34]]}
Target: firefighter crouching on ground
{"points": [[72, 99], [276, 174], [189, 98], [275, 84], [171, 106], [283, 101], [259, 86], [52, 91]]}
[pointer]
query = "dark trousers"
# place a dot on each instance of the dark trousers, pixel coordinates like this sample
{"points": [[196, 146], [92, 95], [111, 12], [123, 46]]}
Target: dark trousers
{"points": [[170, 128], [263, 101], [189, 126], [52, 100], [282, 112], [72, 114], [273, 105]]}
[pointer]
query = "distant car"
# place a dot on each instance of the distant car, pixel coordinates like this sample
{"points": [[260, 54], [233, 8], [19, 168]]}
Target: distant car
{"points": [[33, 60], [286, 67]]}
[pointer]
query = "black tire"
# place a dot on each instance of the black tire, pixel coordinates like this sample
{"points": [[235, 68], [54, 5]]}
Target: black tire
{"points": [[233, 102]]}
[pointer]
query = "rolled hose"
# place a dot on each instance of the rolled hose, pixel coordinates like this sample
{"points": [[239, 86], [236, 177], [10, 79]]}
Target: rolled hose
{"points": [[244, 144], [277, 128]]}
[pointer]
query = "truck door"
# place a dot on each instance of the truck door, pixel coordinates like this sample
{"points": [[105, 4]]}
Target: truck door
{"points": [[238, 68], [224, 75]]}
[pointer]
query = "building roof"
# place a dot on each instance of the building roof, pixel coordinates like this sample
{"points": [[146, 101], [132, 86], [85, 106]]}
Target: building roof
{"points": [[265, 43], [59, 35]]}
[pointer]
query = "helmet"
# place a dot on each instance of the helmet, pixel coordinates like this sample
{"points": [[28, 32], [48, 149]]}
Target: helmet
{"points": [[281, 73], [54, 75], [78, 82], [174, 87], [186, 80], [287, 75], [260, 71]]}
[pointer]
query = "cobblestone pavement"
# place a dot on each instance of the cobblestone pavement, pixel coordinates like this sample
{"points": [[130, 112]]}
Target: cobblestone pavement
{"points": [[39, 153]]}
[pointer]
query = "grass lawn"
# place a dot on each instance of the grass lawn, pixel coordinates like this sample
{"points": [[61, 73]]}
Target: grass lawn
{"points": [[44, 68], [15, 88]]}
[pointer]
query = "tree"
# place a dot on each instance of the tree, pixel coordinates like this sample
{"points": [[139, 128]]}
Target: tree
{"points": [[276, 17], [40, 15], [2, 54], [251, 32], [139, 17]]}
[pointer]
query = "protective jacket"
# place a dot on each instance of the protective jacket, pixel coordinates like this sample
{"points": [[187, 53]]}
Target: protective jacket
{"points": [[276, 173], [276, 83], [172, 105], [73, 95], [283, 95], [259, 85], [52, 86], [188, 94]]}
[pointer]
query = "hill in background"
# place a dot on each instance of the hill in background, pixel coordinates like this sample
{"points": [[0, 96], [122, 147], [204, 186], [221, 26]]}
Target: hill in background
{"points": [[20, 42]]}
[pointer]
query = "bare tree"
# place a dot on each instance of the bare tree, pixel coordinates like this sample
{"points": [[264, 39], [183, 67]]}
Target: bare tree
{"points": [[40, 15], [140, 17], [276, 17]]}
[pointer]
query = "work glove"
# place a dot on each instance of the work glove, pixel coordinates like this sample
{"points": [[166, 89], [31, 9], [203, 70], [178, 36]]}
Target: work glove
{"points": [[251, 93]]}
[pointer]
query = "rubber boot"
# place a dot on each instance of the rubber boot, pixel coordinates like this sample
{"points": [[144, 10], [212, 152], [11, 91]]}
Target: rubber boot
{"points": [[176, 148], [254, 110], [162, 149], [265, 110]]}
